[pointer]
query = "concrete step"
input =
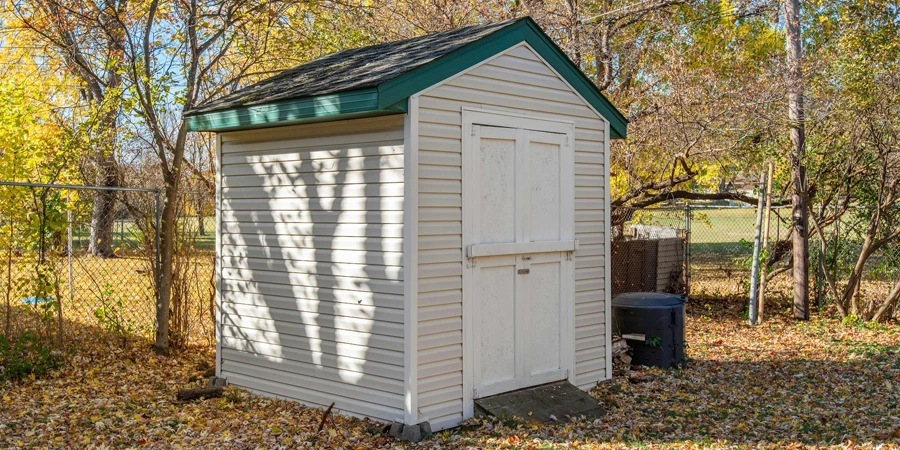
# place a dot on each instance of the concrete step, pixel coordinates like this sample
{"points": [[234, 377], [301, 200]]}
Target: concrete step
{"points": [[548, 403]]}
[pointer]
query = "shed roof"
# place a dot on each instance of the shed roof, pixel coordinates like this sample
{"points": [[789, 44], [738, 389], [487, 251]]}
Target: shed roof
{"points": [[378, 79]]}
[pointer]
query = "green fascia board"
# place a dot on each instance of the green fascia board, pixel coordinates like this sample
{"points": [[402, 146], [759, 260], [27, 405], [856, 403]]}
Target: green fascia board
{"points": [[471, 54], [363, 102]]}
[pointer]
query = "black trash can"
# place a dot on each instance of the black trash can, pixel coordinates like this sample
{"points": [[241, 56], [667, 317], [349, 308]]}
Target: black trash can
{"points": [[653, 325]]}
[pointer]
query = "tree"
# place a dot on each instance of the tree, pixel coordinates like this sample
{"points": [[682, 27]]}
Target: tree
{"points": [[799, 209], [88, 40]]}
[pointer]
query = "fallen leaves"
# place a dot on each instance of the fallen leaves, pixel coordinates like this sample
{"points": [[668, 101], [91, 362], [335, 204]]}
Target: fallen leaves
{"points": [[780, 385]]}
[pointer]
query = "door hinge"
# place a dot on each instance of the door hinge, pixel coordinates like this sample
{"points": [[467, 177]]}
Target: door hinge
{"points": [[472, 130]]}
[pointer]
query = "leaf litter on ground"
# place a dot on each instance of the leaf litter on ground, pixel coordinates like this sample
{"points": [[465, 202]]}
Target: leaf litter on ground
{"points": [[783, 384]]}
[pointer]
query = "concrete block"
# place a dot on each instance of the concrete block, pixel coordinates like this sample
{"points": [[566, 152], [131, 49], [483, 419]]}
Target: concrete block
{"points": [[396, 429], [411, 433]]}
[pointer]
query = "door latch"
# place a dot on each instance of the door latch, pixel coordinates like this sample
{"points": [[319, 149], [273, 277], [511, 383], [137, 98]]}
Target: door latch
{"points": [[524, 271]]}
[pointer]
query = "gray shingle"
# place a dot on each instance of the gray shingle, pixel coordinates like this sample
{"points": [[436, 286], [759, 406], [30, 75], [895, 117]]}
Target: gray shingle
{"points": [[347, 70]]}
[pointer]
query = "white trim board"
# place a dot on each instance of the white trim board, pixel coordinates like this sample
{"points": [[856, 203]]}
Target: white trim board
{"points": [[411, 260]]}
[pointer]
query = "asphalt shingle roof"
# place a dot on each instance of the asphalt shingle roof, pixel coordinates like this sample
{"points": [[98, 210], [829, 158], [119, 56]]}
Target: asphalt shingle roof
{"points": [[348, 70]]}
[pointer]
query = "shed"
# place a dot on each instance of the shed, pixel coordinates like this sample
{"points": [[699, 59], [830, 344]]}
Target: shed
{"points": [[406, 227]]}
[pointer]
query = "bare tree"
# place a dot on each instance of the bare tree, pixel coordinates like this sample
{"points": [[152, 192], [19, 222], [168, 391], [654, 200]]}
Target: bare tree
{"points": [[799, 210], [90, 42]]}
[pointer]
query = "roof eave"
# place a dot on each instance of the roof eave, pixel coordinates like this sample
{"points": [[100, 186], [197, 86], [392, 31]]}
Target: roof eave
{"points": [[338, 106]]}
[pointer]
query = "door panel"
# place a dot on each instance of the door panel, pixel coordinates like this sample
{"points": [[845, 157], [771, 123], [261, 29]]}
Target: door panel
{"points": [[522, 193], [496, 347], [497, 202]]}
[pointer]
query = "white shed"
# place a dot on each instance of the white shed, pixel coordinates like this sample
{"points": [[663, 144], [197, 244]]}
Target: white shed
{"points": [[406, 227]]}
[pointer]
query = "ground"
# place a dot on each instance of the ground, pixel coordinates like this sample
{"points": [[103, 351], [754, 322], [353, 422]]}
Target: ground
{"points": [[782, 384]]}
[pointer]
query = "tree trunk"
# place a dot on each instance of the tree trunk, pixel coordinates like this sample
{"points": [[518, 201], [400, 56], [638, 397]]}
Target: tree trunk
{"points": [[103, 214], [799, 210]]}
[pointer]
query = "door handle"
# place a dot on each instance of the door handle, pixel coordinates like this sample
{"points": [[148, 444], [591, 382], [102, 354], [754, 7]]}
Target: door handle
{"points": [[524, 271]]}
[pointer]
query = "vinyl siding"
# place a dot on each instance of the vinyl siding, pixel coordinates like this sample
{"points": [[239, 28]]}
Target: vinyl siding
{"points": [[516, 81], [312, 264]]}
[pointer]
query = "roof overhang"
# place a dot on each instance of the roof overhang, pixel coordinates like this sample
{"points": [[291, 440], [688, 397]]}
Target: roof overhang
{"points": [[391, 97]]}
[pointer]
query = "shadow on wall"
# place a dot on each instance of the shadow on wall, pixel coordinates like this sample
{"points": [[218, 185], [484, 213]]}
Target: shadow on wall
{"points": [[312, 273]]}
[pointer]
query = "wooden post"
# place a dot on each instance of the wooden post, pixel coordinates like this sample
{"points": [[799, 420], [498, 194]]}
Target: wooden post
{"points": [[765, 243]]}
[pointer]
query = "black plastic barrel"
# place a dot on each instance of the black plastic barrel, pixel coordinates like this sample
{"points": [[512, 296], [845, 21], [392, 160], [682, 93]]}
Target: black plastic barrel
{"points": [[652, 324]]}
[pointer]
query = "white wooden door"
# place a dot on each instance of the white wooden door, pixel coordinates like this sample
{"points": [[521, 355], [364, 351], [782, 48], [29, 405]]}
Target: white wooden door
{"points": [[519, 235]]}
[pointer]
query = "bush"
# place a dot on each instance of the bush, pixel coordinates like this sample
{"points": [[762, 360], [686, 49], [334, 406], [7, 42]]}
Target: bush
{"points": [[25, 355]]}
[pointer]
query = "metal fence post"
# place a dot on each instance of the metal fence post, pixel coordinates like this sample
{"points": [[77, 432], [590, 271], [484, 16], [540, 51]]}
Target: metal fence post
{"points": [[687, 249], [70, 248], [157, 260]]}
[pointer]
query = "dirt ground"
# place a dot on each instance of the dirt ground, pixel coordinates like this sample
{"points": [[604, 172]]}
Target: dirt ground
{"points": [[783, 384]]}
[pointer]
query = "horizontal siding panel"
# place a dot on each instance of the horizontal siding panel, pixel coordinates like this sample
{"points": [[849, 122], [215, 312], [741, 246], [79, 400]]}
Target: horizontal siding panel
{"points": [[452, 241], [440, 214], [439, 130], [326, 294], [590, 238], [589, 273], [324, 346], [440, 382], [520, 90], [439, 312], [440, 200], [593, 365], [316, 267], [316, 204], [439, 144], [592, 307], [314, 305], [315, 319], [435, 298], [318, 242], [496, 70], [439, 256], [589, 320], [440, 284], [438, 396], [234, 152], [593, 353], [441, 228], [263, 216], [440, 172], [590, 331], [439, 325], [311, 153], [315, 179], [440, 270], [315, 191], [589, 296], [268, 168], [452, 408], [312, 398], [280, 380], [523, 63], [589, 380], [597, 193], [590, 157], [474, 95], [588, 129], [272, 230], [440, 340], [430, 158], [314, 331], [261, 277], [315, 363], [432, 186], [311, 254], [440, 368], [441, 353], [380, 390]]}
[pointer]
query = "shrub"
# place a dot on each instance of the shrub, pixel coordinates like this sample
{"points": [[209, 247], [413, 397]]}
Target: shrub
{"points": [[25, 355]]}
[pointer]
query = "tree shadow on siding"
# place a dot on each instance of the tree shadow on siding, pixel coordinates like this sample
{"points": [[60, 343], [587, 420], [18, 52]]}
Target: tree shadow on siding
{"points": [[315, 276]]}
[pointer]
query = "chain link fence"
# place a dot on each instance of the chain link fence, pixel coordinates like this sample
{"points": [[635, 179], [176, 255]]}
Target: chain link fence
{"points": [[75, 260], [715, 245]]}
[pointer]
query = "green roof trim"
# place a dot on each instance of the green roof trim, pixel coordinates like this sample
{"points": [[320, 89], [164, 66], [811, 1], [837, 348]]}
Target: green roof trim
{"points": [[391, 97], [343, 105]]}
